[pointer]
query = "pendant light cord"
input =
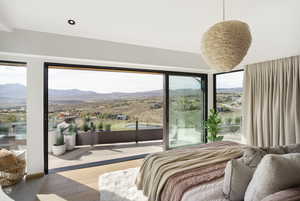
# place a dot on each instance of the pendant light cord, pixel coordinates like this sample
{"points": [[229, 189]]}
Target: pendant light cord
{"points": [[223, 10]]}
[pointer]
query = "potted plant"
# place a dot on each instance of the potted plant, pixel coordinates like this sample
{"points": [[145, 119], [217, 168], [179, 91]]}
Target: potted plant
{"points": [[59, 147], [108, 127], [93, 134], [100, 126], [70, 137], [83, 137], [52, 137], [213, 126], [85, 126]]}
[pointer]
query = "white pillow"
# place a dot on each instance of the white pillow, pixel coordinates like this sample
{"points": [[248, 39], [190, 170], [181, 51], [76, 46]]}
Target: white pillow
{"points": [[236, 179], [273, 174]]}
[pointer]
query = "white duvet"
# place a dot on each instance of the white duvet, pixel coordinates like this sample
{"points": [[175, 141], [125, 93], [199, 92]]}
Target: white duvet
{"points": [[120, 186], [206, 192]]}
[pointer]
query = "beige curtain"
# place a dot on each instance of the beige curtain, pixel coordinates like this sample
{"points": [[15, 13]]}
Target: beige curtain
{"points": [[271, 103]]}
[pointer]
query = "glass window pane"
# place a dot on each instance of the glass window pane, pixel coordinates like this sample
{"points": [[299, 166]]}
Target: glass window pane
{"points": [[111, 111], [229, 104], [13, 107], [186, 109]]}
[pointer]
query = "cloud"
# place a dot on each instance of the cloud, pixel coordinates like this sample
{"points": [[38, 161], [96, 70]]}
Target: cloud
{"points": [[230, 80]]}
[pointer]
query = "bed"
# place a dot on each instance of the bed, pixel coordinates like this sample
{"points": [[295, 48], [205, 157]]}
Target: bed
{"points": [[187, 174]]}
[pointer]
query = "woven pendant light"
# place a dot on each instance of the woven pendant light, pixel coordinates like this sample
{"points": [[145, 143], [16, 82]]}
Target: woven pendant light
{"points": [[225, 44]]}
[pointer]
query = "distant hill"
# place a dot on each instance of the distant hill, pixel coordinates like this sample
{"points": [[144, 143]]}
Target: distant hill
{"points": [[88, 96], [230, 90], [12, 95], [16, 94], [12, 91]]}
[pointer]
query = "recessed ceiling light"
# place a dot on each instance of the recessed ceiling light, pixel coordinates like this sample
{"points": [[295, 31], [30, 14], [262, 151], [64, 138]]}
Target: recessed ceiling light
{"points": [[71, 22]]}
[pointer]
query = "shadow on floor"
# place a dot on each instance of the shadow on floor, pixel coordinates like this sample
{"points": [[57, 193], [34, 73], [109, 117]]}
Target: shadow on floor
{"points": [[127, 145], [79, 152], [68, 189], [76, 154], [26, 190]]}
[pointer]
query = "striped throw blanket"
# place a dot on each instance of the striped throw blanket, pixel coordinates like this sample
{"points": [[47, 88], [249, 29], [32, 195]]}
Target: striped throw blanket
{"points": [[167, 175]]}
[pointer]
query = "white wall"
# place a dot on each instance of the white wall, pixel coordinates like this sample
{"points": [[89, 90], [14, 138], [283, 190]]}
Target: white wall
{"points": [[35, 112], [54, 45]]}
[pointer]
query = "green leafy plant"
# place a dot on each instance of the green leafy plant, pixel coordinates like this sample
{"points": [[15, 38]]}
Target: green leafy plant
{"points": [[72, 129], [60, 139], [87, 118], [237, 120], [4, 129], [100, 126], [93, 127], [108, 127], [213, 126], [85, 127], [228, 120]]}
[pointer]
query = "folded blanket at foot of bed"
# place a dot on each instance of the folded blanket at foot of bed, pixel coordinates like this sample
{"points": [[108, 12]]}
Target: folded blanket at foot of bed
{"points": [[168, 175]]}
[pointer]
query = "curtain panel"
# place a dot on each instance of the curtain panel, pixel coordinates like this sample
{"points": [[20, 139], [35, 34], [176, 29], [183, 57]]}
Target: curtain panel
{"points": [[271, 102]]}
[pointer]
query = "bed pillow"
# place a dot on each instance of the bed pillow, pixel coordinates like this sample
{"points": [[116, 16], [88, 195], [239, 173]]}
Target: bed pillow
{"points": [[236, 179], [273, 174], [292, 148], [291, 194], [252, 156]]}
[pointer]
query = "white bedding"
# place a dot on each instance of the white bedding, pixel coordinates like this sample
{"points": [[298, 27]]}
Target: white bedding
{"points": [[120, 186], [211, 191]]}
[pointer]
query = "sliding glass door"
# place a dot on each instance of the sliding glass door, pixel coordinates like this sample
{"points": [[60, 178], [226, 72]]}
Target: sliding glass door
{"points": [[186, 110]]}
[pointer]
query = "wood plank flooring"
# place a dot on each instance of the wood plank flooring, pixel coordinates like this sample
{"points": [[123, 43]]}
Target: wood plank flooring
{"points": [[81, 184]]}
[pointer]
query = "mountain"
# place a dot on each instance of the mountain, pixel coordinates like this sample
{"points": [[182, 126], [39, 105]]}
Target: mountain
{"points": [[12, 95], [14, 91], [230, 90], [16, 94], [87, 96]]}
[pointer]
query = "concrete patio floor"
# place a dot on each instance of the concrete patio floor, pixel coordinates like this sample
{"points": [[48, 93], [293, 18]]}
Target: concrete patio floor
{"points": [[87, 154]]}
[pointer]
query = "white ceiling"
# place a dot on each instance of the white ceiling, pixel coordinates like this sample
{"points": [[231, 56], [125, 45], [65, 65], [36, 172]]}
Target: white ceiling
{"points": [[169, 24]]}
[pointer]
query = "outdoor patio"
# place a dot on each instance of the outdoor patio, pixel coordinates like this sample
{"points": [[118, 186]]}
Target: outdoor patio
{"points": [[87, 154]]}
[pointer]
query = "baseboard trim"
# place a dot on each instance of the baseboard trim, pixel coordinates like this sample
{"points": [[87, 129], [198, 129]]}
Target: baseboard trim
{"points": [[34, 176]]}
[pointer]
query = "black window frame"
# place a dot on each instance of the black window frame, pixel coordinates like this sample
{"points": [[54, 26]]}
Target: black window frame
{"points": [[165, 74], [215, 85]]}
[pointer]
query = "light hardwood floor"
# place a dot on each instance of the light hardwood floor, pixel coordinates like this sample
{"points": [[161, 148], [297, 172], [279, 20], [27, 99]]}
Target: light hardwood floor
{"points": [[81, 184]]}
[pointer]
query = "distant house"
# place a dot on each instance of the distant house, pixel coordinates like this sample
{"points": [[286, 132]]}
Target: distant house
{"points": [[122, 117], [156, 106]]}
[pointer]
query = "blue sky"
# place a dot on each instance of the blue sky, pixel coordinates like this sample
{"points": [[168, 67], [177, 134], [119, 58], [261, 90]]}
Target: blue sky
{"points": [[107, 82], [12, 74]]}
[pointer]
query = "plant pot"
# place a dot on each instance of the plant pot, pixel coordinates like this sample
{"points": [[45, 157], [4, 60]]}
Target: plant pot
{"points": [[58, 150], [94, 138], [70, 141], [52, 136]]}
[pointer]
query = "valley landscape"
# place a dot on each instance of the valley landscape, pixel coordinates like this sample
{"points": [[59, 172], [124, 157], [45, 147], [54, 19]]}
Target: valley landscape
{"points": [[113, 111]]}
